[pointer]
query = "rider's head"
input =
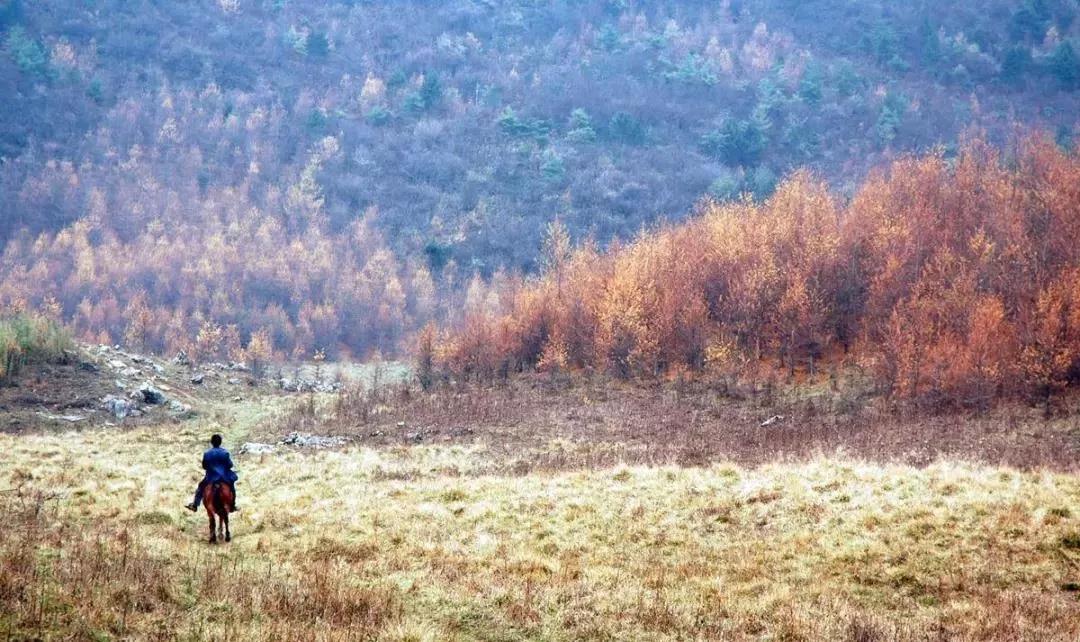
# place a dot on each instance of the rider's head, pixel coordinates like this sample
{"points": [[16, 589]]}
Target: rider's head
{"points": [[215, 441]]}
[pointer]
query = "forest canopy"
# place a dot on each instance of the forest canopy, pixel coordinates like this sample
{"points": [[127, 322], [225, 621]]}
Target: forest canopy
{"points": [[332, 176], [956, 280]]}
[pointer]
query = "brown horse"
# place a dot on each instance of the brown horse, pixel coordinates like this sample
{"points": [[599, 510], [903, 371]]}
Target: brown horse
{"points": [[218, 498]]}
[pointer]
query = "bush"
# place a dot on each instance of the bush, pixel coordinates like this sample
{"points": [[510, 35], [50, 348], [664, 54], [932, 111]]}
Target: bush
{"points": [[848, 81], [626, 129], [892, 114], [378, 116], [553, 168], [1065, 65], [727, 186], [1016, 64], [26, 339], [737, 142], [318, 45], [693, 70], [581, 127], [810, 86], [27, 53], [509, 122]]}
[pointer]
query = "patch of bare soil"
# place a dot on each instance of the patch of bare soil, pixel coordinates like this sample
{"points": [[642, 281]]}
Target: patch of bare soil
{"points": [[52, 393], [532, 424], [106, 386]]}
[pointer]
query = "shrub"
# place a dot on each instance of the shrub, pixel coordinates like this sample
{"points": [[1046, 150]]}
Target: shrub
{"points": [[581, 127], [810, 86], [318, 45], [626, 129], [27, 53], [892, 114], [26, 339], [553, 168], [1065, 65], [1016, 64], [727, 186], [737, 142]]}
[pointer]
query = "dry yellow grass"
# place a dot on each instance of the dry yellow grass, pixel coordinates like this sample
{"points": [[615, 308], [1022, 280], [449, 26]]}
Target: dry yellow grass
{"points": [[423, 544]]}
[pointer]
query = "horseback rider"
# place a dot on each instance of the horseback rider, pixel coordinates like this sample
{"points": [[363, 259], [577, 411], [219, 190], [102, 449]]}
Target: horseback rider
{"points": [[219, 468]]}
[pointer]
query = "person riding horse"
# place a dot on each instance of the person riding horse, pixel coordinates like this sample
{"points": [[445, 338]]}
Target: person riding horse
{"points": [[219, 468]]}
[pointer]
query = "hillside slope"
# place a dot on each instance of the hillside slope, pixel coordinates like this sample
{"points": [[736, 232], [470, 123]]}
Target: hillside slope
{"points": [[334, 174], [467, 123]]}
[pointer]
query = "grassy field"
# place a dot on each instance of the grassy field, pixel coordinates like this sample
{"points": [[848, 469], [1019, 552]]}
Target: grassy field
{"points": [[450, 537]]}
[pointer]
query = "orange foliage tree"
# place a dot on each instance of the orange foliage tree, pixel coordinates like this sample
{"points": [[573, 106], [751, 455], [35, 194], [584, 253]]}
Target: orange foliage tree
{"points": [[951, 279]]}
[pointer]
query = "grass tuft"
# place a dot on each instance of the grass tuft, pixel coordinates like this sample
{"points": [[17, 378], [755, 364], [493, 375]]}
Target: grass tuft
{"points": [[26, 339]]}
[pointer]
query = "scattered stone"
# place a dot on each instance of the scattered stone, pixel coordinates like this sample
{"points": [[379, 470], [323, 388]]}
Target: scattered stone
{"points": [[256, 448], [158, 368], [304, 440], [119, 407], [117, 364], [233, 381], [401, 424], [415, 437], [308, 385], [181, 359], [772, 420], [152, 395], [130, 372], [198, 379], [87, 366], [68, 418], [179, 410]]}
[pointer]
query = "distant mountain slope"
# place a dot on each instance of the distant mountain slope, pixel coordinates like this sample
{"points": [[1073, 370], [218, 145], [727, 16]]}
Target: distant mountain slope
{"points": [[458, 129], [467, 123]]}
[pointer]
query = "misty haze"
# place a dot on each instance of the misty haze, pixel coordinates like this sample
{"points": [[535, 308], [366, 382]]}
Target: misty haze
{"points": [[494, 320]]}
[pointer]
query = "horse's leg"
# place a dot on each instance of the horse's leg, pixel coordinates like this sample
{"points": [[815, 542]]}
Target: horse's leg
{"points": [[213, 529], [225, 520]]}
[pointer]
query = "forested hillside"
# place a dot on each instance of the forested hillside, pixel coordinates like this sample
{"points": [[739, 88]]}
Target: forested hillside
{"points": [[955, 282], [335, 174]]}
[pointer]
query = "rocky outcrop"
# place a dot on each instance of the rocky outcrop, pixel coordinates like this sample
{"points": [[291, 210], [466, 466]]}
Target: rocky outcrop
{"points": [[119, 407], [256, 448], [303, 440], [308, 385], [151, 395]]}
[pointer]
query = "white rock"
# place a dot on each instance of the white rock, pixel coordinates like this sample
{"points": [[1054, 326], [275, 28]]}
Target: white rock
{"points": [[256, 448]]}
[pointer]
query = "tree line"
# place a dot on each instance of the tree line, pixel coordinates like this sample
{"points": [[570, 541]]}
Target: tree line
{"points": [[948, 278]]}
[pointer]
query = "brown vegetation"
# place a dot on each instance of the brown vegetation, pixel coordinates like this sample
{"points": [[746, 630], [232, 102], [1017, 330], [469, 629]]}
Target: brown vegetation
{"points": [[433, 542], [951, 280], [231, 284], [538, 424]]}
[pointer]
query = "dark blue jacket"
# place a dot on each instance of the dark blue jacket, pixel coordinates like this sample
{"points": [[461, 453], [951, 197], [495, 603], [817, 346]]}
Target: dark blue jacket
{"points": [[218, 466]]}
